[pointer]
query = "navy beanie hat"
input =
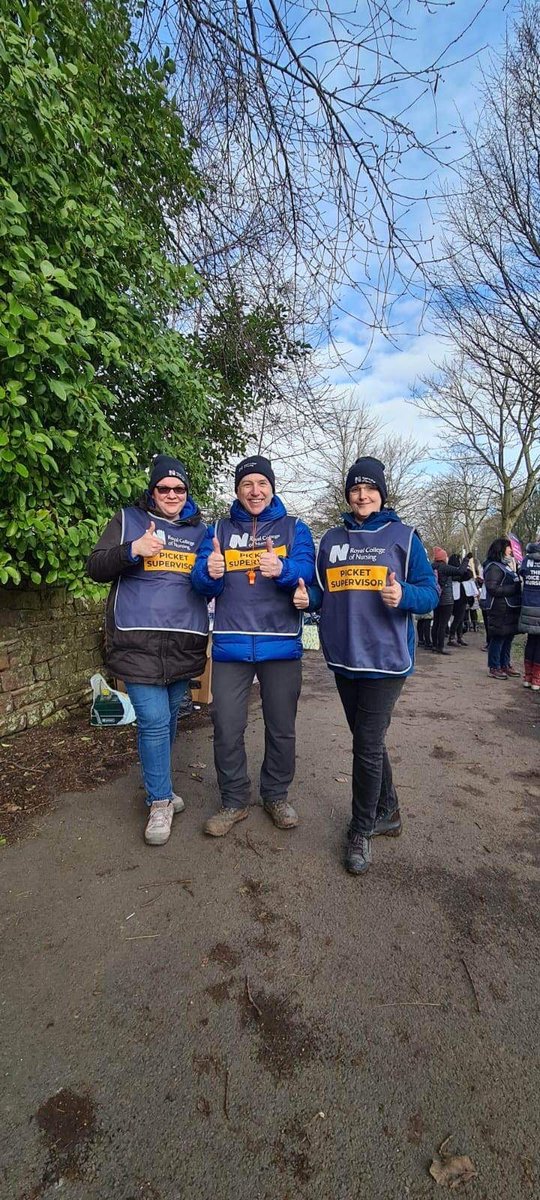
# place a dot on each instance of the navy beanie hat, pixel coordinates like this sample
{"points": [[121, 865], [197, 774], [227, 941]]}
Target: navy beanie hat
{"points": [[163, 467], [367, 470], [257, 465]]}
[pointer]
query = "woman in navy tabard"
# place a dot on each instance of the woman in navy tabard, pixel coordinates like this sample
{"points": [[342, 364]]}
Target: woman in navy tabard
{"points": [[156, 624], [373, 574]]}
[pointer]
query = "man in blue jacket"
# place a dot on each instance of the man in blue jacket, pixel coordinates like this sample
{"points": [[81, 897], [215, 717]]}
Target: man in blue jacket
{"points": [[373, 574], [252, 562]]}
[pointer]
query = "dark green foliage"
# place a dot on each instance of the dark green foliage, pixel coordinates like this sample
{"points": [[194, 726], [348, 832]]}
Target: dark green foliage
{"points": [[93, 167]]}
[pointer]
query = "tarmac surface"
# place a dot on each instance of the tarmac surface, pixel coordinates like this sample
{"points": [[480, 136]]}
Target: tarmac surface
{"points": [[240, 1019]]}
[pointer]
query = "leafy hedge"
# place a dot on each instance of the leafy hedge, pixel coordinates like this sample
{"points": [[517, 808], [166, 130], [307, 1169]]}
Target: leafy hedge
{"points": [[94, 170]]}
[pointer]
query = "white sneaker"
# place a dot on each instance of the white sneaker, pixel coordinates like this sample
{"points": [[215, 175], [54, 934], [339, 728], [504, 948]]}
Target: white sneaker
{"points": [[177, 803], [158, 828]]}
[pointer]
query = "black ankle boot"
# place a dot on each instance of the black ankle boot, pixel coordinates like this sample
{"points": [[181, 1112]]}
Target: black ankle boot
{"points": [[358, 856]]}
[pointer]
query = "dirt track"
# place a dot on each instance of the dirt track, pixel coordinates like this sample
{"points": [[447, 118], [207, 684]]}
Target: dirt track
{"points": [[243, 1020]]}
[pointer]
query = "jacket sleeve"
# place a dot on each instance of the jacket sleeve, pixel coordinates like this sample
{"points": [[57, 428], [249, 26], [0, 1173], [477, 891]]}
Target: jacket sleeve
{"points": [[300, 563], [200, 579], [110, 557], [420, 594], [447, 571], [495, 581]]}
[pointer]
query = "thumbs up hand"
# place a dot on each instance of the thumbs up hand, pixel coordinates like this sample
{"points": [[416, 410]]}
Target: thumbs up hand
{"points": [[148, 544], [392, 591], [216, 561], [270, 565], [300, 597]]}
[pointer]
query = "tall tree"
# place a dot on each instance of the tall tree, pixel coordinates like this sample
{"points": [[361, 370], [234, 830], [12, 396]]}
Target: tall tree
{"points": [[487, 295], [95, 372], [308, 125], [490, 419]]}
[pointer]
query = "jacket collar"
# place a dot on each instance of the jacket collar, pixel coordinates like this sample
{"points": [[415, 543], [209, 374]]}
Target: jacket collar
{"points": [[374, 521]]}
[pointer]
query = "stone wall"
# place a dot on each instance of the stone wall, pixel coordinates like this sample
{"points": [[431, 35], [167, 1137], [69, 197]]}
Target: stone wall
{"points": [[50, 645]]}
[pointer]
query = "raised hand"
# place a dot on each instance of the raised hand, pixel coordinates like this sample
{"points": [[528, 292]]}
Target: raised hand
{"points": [[216, 561], [392, 591], [270, 565], [148, 544], [300, 596]]}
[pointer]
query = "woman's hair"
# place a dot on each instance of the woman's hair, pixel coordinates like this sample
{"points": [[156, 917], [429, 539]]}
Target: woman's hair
{"points": [[454, 560], [498, 549]]}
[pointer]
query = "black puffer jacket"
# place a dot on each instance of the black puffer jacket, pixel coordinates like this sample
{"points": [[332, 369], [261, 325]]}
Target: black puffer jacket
{"points": [[503, 599], [150, 656], [529, 621], [446, 574]]}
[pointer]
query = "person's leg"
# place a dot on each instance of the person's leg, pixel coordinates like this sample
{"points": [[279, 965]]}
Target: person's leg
{"points": [[372, 774], [152, 708], [428, 633], [443, 614], [506, 656], [420, 627], [388, 816], [535, 654], [177, 693], [280, 682], [485, 619], [454, 623], [494, 653], [231, 685], [435, 629]]}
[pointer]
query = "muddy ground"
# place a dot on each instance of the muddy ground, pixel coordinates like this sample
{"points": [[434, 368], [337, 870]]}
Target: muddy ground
{"points": [[241, 1019]]}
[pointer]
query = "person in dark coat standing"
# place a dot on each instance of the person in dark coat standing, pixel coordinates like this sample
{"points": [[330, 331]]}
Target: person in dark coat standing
{"points": [[156, 625], [529, 620], [502, 601], [373, 573], [459, 609], [446, 574]]}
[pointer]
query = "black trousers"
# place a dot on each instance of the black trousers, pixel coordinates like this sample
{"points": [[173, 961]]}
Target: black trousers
{"points": [[423, 626], [280, 682], [441, 618], [459, 611], [368, 705]]}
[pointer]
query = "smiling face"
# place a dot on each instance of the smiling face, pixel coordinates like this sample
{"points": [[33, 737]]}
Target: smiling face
{"points": [[169, 496], [254, 493], [364, 499]]}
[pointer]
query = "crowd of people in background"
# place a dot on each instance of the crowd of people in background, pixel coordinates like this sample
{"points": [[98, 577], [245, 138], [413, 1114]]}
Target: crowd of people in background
{"points": [[506, 593]]}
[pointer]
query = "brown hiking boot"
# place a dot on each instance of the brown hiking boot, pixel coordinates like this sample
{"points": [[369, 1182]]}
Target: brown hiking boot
{"points": [[223, 821], [282, 813]]}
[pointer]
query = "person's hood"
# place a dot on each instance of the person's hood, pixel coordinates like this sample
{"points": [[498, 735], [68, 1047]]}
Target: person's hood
{"points": [[272, 512], [532, 549], [190, 515], [375, 520]]}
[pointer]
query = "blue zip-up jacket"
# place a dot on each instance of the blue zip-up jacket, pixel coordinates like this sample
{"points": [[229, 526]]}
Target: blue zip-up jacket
{"points": [[420, 594], [299, 564]]}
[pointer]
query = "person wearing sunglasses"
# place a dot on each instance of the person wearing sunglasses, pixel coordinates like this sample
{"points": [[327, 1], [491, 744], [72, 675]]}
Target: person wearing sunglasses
{"points": [[156, 624]]}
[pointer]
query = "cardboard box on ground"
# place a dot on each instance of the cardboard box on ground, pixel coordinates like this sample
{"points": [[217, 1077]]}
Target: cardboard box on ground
{"points": [[201, 691]]}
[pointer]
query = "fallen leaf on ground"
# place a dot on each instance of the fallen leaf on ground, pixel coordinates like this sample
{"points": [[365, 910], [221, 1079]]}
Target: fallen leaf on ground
{"points": [[341, 779], [198, 766], [452, 1170]]}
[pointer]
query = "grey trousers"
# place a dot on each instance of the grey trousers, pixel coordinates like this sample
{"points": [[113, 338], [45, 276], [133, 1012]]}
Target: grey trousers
{"points": [[280, 682]]}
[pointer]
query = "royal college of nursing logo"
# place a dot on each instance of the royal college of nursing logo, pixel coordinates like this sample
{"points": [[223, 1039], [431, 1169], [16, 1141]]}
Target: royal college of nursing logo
{"points": [[339, 553]]}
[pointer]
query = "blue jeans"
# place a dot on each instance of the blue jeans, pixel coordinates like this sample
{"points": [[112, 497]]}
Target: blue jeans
{"points": [[499, 652], [157, 716]]}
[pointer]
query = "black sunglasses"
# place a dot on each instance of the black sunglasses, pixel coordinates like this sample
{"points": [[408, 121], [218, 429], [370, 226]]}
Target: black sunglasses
{"points": [[164, 491]]}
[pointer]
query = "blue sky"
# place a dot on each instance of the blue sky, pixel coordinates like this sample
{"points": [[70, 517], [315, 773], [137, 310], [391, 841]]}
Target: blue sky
{"points": [[372, 368]]}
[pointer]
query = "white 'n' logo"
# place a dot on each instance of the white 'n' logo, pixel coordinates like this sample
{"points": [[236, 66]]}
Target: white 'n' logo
{"points": [[239, 541], [339, 553]]}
